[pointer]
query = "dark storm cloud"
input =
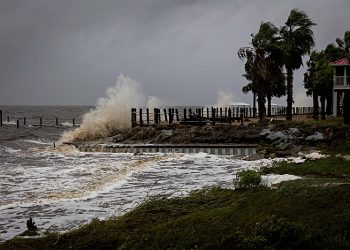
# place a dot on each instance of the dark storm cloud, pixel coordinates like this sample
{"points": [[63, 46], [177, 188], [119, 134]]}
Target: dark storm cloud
{"points": [[70, 51]]}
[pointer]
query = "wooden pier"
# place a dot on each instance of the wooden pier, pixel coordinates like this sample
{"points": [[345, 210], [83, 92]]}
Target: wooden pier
{"points": [[202, 116], [36, 121]]}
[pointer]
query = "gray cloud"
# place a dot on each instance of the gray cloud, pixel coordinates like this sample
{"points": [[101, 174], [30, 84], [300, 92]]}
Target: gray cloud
{"points": [[69, 52]]}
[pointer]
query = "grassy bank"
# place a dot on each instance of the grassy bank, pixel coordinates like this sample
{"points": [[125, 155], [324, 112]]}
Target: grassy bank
{"points": [[303, 214]]}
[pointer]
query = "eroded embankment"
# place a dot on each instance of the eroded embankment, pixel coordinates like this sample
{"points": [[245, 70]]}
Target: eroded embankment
{"points": [[274, 139]]}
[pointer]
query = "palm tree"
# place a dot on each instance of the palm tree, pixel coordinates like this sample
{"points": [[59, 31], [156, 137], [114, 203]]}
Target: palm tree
{"points": [[298, 40], [310, 83], [263, 63], [256, 68], [319, 80]]}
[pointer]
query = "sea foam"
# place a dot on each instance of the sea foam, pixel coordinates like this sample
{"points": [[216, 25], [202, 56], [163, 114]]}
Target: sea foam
{"points": [[111, 114]]}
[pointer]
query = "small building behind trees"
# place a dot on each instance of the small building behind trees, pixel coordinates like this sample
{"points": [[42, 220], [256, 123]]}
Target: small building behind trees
{"points": [[341, 83]]}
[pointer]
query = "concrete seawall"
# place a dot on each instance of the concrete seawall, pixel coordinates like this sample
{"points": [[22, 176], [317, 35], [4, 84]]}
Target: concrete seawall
{"points": [[217, 149]]}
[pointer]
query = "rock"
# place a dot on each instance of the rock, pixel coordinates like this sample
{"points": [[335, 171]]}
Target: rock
{"points": [[263, 152], [272, 155], [283, 146], [317, 136], [294, 130], [282, 153], [301, 154], [265, 132], [295, 150], [255, 157], [315, 156], [273, 136], [167, 132], [346, 157]]}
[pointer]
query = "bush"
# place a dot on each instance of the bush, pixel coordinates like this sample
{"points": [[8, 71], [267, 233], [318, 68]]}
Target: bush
{"points": [[248, 179]]}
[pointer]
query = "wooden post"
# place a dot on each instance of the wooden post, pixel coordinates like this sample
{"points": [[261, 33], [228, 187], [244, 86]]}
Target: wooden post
{"points": [[17, 123], [169, 113], [165, 116], [213, 115], [0, 118], [8, 119], [24, 121], [147, 113], [185, 115], [159, 116], [199, 115], [140, 116], [229, 115], [56, 121], [242, 119], [208, 113], [73, 122], [41, 121], [177, 115], [155, 116], [225, 112], [133, 117]]}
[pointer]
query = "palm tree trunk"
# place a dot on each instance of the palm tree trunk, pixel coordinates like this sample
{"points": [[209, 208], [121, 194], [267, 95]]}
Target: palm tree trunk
{"points": [[254, 104], [261, 107], [329, 104], [346, 108], [269, 105], [289, 93], [323, 108], [315, 102]]}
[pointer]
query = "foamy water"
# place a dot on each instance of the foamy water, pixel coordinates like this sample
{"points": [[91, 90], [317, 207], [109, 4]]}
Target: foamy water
{"points": [[112, 113], [62, 189]]}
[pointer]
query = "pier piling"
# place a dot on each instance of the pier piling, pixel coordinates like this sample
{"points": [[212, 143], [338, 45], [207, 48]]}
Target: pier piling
{"points": [[0, 118], [165, 115], [140, 114], [133, 117], [147, 113], [17, 124]]}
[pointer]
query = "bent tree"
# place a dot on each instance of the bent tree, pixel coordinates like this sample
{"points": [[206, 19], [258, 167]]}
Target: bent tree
{"points": [[263, 65], [297, 41]]}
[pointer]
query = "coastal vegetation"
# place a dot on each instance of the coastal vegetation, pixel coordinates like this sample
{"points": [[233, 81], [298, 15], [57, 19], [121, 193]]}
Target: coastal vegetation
{"points": [[272, 51], [318, 80], [275, 53]]}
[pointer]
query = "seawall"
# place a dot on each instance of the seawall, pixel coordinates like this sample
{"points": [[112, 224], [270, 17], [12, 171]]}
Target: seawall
{"points": [[217, 149]]}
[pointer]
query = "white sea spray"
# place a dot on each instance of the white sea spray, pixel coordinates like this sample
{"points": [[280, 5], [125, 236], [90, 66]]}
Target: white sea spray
{"points": [[112, 113]]}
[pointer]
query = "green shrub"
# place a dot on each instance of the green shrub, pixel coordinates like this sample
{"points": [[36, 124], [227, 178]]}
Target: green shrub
{"points": [[248, 179]]}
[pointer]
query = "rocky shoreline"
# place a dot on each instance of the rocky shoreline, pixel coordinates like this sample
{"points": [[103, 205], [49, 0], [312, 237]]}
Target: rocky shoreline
{"points": [[275, 138]]}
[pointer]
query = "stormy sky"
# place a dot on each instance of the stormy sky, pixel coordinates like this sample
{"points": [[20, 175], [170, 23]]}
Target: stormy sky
{"points": [[68, 52]]}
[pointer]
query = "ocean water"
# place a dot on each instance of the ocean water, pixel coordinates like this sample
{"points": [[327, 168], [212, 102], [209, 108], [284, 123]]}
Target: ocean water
{"points": [[62, 188]]}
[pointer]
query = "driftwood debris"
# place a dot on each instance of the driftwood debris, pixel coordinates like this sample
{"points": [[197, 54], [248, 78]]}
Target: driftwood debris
{"points": [[31, 225]]}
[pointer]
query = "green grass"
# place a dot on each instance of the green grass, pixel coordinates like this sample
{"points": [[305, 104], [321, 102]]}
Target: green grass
{"points": [[330, 167], [329, 122], [294, 216]]}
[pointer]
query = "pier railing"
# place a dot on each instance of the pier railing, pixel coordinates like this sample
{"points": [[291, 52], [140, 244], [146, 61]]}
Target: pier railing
{"points": [[201, 116], [38, 120]]}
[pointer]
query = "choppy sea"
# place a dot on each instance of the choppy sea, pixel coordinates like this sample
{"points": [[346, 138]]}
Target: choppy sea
{"points": [[64, 188]]}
